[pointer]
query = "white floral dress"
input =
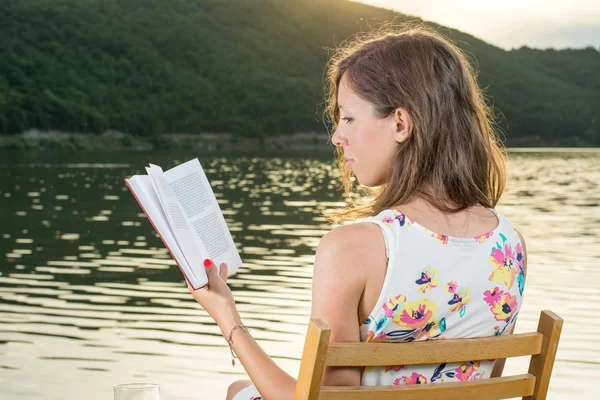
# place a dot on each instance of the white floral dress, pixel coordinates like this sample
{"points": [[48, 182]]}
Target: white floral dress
{"points": [[440, 287]]}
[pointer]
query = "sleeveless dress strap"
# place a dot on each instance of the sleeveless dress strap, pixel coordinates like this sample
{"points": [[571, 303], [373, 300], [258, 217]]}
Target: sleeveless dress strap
{"points": [[386, 223]]}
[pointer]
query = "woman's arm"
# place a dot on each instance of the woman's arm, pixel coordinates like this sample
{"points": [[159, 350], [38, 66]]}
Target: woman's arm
{"points": [[271, 381], [342, 259], [341, 268]]}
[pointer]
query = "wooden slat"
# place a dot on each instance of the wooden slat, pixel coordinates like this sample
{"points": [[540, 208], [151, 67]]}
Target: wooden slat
{"points": [[433, 351], [313, 361], [550, 325], [494, 388]]}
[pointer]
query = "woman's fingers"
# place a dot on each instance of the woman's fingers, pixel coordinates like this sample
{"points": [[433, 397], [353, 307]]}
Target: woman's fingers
{"points": [[223, 272], [211, 270]]}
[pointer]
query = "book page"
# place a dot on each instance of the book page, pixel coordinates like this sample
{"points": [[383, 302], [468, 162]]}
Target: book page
{"points": [[187, 238], [143, 190], [199, 204], [155, 187]]}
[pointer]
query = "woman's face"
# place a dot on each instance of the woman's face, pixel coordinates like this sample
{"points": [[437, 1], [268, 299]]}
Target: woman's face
{"points": [[368, 142]]}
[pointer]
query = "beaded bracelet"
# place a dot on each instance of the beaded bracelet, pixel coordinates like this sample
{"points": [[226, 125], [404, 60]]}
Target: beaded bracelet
{"points": [[230, 341]]}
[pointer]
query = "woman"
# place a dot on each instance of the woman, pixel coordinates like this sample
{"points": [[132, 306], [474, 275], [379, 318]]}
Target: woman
{"points": [[430, 258]]}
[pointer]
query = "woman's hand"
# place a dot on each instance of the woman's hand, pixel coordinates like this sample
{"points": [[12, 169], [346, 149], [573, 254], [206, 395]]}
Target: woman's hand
{"points": [[216, 298]]}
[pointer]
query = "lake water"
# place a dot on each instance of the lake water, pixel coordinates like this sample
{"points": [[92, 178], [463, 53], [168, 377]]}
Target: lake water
{"points": [[90, 298]]}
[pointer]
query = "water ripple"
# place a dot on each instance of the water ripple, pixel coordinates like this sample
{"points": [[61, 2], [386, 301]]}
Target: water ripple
{"points": [[87, 288]]}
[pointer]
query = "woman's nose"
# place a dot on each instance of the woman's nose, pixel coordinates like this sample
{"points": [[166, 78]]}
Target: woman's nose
{"points": [[337, 139]]}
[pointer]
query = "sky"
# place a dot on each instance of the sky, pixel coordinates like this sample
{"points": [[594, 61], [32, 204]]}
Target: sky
{"points": [[511, 23]]}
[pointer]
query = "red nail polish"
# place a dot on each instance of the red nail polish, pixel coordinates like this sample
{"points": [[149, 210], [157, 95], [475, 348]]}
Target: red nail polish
{"points": [[207, 262]]}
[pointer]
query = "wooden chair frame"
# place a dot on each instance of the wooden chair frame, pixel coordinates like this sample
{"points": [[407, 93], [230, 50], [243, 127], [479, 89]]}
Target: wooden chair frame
{"points": [[541, 345]]}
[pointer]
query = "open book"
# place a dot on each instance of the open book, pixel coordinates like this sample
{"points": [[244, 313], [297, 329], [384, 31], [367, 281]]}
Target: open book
{"points": [[184, 211]]}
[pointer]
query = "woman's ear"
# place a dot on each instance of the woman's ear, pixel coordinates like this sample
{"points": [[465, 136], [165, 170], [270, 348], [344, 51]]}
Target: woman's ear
{"points": [[403, 125]]}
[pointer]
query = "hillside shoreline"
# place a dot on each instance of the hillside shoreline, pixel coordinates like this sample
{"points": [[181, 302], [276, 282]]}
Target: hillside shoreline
{"points": [[250, 68], [223, 142], [36, 140]]}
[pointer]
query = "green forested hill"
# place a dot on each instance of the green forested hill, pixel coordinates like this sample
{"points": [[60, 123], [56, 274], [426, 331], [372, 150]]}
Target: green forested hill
{"points": [[251, 67]]}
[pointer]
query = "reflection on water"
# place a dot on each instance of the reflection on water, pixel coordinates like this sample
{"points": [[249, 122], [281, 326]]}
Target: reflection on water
{"points": [[90, 298]]}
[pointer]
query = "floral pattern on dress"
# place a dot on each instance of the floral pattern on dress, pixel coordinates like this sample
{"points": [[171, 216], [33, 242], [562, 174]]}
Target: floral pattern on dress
{"points": [[419, 302], [414, 315], [386, 219], [484, 237], [403, 220], [505, 262], [521, 265], [414, 379], [443, 239], [414, 320], [460, 297], [428, 280], [503, 306], [433, 330], [392, 304], [492, 296], [467, 371], [394, 368]]}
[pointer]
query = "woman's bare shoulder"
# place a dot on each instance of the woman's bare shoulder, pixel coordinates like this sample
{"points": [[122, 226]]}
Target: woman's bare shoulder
{"points": [[354, 241], [345, 259], [351, 233]]}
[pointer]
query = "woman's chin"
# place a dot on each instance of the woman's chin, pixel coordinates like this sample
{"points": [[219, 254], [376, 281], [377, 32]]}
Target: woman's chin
{"points": [[364, 182], [372, 179], [368, 182]]}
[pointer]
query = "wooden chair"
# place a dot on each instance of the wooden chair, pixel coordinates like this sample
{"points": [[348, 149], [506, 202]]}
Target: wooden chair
{"points": [[541, 345]]}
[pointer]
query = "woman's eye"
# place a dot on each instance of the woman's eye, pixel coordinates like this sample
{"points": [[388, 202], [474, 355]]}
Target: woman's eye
{"points": [[348, 119]]}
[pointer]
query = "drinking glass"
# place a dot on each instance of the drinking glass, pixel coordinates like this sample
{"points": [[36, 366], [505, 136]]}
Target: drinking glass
{"points": [[137, 391]]}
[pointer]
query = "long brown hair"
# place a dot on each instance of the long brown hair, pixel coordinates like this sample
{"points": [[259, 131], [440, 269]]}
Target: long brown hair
{"points": [[453, 149]]}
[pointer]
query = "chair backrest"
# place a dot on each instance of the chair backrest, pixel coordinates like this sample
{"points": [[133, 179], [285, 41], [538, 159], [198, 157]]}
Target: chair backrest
{"points": [[541, 345]]}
